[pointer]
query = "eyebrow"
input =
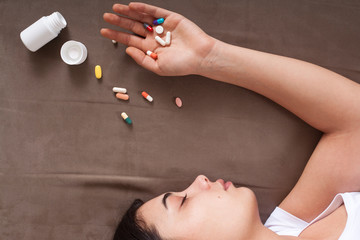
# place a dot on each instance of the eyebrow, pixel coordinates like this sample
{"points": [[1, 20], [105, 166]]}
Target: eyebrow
{"points": [[166, 195]]}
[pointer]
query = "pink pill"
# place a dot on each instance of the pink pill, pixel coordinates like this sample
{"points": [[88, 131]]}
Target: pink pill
{"points": [[122, 96], [178, 102]]}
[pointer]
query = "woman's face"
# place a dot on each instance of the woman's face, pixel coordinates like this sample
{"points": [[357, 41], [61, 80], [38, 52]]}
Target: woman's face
{"points": [[211, 210]]}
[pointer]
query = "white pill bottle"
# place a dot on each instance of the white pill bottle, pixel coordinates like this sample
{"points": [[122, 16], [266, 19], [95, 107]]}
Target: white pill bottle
{"points": [[42, 31]]}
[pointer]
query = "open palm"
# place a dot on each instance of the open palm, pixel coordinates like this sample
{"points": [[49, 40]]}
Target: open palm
{"points": [[189, 44]]}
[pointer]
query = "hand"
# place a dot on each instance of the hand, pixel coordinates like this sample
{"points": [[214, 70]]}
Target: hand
{"points": [[189, 44]]}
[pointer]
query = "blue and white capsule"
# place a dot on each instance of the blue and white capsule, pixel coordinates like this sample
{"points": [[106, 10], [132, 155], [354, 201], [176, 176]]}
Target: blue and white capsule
{"points": [[158, 21]]}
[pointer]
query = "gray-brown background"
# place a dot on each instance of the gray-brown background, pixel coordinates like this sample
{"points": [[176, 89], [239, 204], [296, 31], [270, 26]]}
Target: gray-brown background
{"points": [[69, 165]]}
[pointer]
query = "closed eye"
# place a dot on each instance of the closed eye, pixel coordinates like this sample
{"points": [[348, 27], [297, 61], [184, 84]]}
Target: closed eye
{"points": [[184, 199]]}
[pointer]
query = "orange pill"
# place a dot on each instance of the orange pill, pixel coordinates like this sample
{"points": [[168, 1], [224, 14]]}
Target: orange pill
{"points": [[152, 55], [147, 96], [122, 96]]}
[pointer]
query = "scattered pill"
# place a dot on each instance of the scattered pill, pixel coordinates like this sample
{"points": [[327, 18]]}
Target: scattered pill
{"points": [[119, 90], [114, 42], [158, 21], [159, 29], [148, 27], [178, 102], [126, 118], [147, 96], [151, 54], [160, 41], [98, 72], [168, 38], [122, 96]]}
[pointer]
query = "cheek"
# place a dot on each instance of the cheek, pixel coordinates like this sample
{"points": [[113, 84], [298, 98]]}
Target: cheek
{"points": [[220, 216], [214, 215], [210, 219], [210, 224]]}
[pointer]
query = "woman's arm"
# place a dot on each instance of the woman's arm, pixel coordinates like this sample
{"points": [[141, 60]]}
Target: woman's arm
{"points": [[324, 99]]}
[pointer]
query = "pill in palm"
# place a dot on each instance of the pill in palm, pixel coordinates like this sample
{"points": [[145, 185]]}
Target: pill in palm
{"points": [[168, 38], [160, 41], [119, 90], [126, 118], [151, 54], [148, 27], [122, 96], [98, 72], [114, 42], [147, 96], [178, 102], [158, 21], [159, 29]]}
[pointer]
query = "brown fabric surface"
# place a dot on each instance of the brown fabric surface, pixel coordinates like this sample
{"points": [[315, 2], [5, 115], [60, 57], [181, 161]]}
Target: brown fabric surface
{"points": [[70, 166]]}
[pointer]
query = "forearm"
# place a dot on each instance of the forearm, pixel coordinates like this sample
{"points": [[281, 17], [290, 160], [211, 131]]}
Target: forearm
{"points": [[324, 99]]}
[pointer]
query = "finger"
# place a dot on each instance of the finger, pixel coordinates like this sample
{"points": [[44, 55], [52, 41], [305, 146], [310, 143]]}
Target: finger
{"points": [[126, 23], [156, 12], [124, 38], [142, 59], [126, 11]]}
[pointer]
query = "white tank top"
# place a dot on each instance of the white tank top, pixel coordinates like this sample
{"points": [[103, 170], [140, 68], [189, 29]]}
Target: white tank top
{"points": [[284, 223]]}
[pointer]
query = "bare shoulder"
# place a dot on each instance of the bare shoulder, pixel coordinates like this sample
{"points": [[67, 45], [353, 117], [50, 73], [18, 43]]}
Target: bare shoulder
{"points": [[334, 167]]}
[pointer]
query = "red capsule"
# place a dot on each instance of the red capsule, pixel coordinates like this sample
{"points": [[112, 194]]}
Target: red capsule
{"points": [[148, 27]]}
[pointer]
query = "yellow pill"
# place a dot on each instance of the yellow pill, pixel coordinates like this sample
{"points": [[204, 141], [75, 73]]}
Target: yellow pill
{"points": [[98, 72]]}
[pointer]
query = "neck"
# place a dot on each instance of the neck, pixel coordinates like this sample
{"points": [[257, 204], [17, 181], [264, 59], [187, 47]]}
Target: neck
{"points": [[263, 233]]}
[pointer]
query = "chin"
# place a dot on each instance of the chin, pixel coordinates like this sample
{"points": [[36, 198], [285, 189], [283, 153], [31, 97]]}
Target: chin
{"points": [[248, 198]]}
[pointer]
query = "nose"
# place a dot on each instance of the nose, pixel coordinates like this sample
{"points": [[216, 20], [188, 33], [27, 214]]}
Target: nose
{"points": [[203, 182], [200, 183]]}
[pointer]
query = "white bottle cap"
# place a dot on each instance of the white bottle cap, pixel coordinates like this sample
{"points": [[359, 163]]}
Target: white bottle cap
{"points": [[73, 52]]}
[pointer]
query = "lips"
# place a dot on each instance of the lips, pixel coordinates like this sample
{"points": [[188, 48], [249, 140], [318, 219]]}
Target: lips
{"points": [[225, 185]]}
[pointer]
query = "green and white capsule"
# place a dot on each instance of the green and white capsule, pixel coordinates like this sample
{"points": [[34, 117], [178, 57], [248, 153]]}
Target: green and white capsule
{"points": [[126, 118]]}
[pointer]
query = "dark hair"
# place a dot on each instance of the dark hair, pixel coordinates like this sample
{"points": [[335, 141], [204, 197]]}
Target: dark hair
{"points": [[132, 227]]}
